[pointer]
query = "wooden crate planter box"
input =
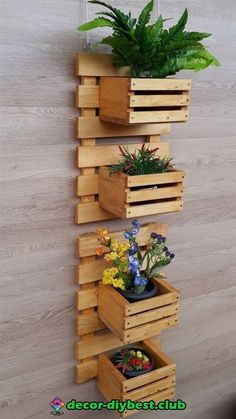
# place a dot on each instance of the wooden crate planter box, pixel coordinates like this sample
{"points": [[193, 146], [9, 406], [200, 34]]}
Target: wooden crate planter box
{"points": [[126, 101], [135, 196], [131, 322], [156, 385]]}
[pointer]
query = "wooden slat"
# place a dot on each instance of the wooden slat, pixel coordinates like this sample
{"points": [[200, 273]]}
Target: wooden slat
{"points": [[97, 65], [91, 212], [149, 377], [87, 185], [160, 396], [87, 96], [150, 389], [109, 154], [88, 127], [87, 298], [160, 84], [157, 208], [88, 243], [146, 331], [146, 117], [85, 371], [88, 323], [149, 194], [150, 315], [90, 272], [172, 176], [159, 100], [96, 345]]}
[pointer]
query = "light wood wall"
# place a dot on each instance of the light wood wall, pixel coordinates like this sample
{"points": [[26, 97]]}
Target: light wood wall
{"points": [[38, 235]]}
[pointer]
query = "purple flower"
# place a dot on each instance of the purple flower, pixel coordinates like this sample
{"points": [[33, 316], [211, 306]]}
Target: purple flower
{"points": [[165, 248], [154, 235], [162, 239], [167, 253], [172, 255]]}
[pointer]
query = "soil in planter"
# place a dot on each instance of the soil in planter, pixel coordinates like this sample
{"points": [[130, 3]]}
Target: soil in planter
{"points": [[132, 374]]}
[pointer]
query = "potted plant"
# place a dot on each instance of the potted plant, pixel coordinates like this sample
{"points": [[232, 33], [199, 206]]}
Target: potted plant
{"points": [[133, 362], [141, 183], [152, 54], [132, 284]]}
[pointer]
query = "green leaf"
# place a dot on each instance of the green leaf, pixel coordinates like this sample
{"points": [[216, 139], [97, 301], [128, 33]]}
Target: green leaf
{"points": [[143, 20], [179, 27], [96, 23]]}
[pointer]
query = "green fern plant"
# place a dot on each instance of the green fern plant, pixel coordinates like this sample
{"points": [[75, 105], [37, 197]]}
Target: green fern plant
{"points": [[149, 49]]}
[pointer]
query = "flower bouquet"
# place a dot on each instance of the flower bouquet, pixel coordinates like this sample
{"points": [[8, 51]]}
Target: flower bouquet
{"points": [[133, 362], [132, 270]]}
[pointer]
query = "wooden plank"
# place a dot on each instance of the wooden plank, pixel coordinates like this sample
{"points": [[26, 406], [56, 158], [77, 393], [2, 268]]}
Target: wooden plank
{"points": [[87, 185], [150, 389], [150, 377], [160, 84], [88, 127], [97, 65], [87, 96], [90, 272], [159, 100], [88, 323], [146, 331], [151, 194], [86, 371], [96, 345], [87, 298], [88, 243], [150, 315], [146, 117], [160, 396], [91, 212], [150, 209], [173, 176], [151, 303], [109, 154]]}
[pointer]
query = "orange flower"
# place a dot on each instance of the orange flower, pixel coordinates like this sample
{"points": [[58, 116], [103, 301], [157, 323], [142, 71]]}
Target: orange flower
{"points": [[100, 251]]}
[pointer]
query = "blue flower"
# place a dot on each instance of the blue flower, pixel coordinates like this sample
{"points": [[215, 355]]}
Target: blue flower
{"points": [[137, 281], [143, 281], [128, 234], [134, 264], [133, 249], [136, 224], [172, 255], [167, 253]]}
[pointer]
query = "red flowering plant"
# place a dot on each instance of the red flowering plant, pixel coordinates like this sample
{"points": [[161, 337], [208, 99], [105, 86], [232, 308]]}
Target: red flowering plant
{"points": [[132, 360]]}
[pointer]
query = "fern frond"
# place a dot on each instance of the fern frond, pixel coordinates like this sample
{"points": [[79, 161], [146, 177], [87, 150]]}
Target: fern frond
{"points": [[143, 20]]}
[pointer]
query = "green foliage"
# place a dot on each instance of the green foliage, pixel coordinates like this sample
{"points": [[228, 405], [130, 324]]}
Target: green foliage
{"points": [[142, 162], [150, 50]]}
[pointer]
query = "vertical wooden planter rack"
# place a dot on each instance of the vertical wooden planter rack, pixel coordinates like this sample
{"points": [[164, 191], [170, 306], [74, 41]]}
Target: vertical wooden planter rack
{"points": [[98, 335]]}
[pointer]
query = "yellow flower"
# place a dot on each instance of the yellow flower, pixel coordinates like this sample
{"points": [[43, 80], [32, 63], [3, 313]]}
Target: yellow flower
{"points": [[111, 256], [118, 283], [114, 244], [103, 235], [109, 275]]}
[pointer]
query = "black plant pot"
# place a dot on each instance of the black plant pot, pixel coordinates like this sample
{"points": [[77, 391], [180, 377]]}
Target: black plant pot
{"points": [[131, 374], [149, 292]]}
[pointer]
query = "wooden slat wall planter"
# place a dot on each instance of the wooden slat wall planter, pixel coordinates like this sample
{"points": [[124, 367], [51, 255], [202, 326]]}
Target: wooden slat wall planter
{"points": [[95, 337], [142, 319], [134, 196], [144, 101], [90, 129], [156, 385]]}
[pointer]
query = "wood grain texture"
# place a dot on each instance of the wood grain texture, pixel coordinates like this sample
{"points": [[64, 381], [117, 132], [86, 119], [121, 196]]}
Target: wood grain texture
{"points": [[38, 170]]}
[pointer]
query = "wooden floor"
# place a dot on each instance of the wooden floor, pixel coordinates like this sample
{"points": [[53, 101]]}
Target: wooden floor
{"points": [[38, 235]]}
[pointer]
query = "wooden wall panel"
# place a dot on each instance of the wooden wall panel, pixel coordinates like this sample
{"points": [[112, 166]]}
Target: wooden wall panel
{"points": [[38, 235]]}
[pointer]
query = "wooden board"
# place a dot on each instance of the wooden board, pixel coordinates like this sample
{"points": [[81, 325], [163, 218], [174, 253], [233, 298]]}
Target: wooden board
{"points": [[92, 127]]}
